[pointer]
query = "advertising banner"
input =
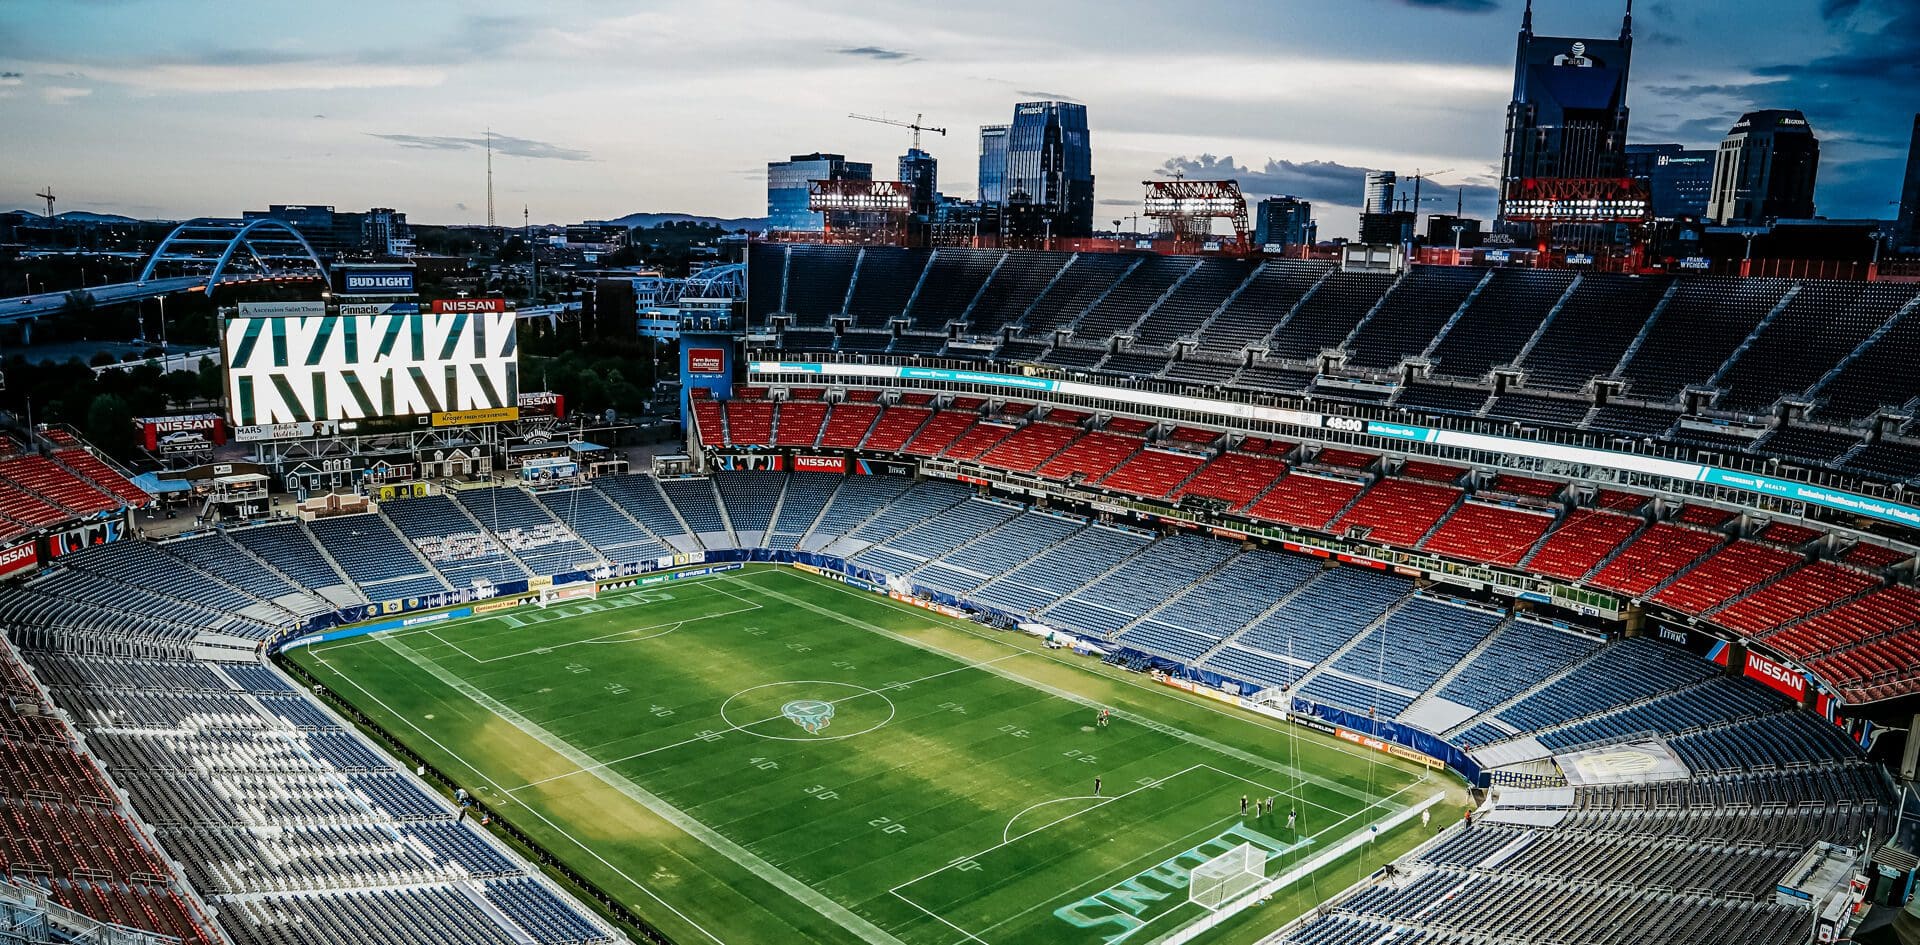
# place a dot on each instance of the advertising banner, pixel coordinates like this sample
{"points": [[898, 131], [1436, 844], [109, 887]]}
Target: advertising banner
{"points": [[1776, 675], [820, 464], [212, 427], [377, 282], [21, 557], [542, 404], [282, 431], [468, 306]]}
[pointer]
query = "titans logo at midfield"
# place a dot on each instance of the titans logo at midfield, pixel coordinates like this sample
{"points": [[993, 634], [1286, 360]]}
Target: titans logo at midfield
{"points": [[810, 714]]}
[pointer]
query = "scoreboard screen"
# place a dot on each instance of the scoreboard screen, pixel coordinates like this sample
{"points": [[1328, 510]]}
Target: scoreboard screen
{"points": [[297, 363]]}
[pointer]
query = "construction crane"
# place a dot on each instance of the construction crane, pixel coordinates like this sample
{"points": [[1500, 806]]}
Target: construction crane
{"points": [[1420, 177], [914, 124], [48, 196]]}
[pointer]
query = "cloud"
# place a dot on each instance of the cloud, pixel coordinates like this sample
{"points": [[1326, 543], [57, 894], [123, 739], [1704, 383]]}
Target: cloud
{"points": [[502, 144], [11, 78], [460, 205], [1037, 96], [876, 52], [1458, 6], [62, 94]]}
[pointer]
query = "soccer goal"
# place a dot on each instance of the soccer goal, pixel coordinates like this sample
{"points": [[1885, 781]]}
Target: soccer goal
{"points": [[1226, 877], [586, 590]]}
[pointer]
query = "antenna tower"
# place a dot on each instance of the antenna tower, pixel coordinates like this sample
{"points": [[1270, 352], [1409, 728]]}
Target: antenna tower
{"points": [[489, 178]]}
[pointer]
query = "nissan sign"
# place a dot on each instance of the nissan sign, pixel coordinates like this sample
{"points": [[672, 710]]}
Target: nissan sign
{"points": [[1778, 676], [465, 306], [18, 558]]}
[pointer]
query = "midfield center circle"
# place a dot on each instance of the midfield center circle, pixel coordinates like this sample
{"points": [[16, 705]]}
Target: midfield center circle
{"points": [[807, 710]]}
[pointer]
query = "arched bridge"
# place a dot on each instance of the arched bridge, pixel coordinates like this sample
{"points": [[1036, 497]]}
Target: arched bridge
{"points": [[198, 256]]}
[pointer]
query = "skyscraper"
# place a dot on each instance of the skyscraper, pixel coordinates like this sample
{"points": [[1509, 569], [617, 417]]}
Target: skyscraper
{"points": [[921, 173], [1050, 165], [993, 164], [1378, 197], [787, 187], [1907, 233], [1283, 221], [1568, 116], [1765, 170], [1678, 178]]}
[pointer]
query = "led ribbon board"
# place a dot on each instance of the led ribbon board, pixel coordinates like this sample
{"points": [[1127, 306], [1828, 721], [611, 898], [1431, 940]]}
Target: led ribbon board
{"points": [[1868, 506]]}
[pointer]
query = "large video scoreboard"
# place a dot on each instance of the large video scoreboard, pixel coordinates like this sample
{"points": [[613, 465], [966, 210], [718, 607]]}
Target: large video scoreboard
{"points": [[301, 362]]}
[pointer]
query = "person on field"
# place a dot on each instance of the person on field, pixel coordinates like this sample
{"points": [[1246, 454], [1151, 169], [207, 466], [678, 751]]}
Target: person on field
{"points": [[1096, 787], [1243, 805], [1292, 818]]}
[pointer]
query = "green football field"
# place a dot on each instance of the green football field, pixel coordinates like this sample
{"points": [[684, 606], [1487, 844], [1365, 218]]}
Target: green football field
{"points": [[771, 756]]}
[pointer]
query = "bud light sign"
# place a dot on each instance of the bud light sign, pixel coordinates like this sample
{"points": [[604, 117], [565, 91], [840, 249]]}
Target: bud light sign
{"points": [[377, 282]]}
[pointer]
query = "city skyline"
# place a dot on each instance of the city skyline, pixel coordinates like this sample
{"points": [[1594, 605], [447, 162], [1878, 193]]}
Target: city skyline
{"points": [[665, 108]]}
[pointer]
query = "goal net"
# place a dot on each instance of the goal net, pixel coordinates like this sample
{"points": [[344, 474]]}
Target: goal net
{"points": [[1226, 877], [586, 590]]}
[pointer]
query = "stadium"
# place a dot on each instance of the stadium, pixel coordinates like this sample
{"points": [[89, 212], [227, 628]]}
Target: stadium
{"points": [[1014, 596]]}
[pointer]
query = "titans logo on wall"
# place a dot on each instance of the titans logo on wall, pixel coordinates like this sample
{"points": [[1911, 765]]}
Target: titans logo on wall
{"points": [[810, 714]]}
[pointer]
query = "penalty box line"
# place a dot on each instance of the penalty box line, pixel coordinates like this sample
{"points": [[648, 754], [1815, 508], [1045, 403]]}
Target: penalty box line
{"points": [[639, 600], [614, 637], [890, 687], [1134, 862]]}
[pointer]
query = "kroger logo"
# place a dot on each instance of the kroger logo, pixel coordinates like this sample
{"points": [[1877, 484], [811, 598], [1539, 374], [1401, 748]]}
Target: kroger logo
{"points": [[810, 714]]}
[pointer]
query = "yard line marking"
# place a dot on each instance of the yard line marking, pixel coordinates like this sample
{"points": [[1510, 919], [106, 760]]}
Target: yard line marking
{"points": [[1158, 726], [1123, 869], [961, 626], [741, 728], [496, 785], [937, 916], [980, 853], [688, 824]]}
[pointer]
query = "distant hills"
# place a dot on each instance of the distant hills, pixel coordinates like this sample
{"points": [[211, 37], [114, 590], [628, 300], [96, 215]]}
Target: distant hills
{"points": [[81, 216], [655, 219]]}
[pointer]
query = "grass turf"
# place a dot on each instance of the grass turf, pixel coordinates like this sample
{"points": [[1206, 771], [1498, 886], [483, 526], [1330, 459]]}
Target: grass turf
{"points": [[668, 743]]}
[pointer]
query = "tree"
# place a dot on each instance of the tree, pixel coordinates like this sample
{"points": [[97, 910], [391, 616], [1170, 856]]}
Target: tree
{"points": [[110, 423]]}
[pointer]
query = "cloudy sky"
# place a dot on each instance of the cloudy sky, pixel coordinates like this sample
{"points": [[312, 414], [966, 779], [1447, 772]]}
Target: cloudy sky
{"points": [[178, 108]]}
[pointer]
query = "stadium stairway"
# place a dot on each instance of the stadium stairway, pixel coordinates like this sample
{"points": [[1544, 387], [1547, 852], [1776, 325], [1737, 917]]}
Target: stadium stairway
{"points": [[1431, 713], [1352, 642], [1490, 715], [482, 529], [332, 561], [1234, 637], [1170, 600]]}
